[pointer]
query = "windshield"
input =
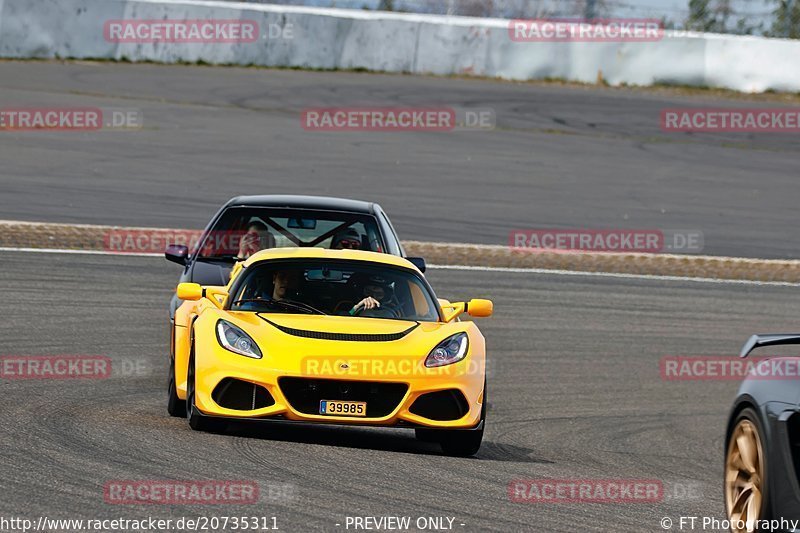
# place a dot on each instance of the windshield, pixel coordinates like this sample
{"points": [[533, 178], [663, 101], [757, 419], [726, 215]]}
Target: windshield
{"points": [[242, 231], [340, 288]]}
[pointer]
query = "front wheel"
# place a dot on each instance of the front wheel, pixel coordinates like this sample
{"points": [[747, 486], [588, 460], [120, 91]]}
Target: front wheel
{"points": [[457, 442], [175, 406], [746, 489], [461, 443]]}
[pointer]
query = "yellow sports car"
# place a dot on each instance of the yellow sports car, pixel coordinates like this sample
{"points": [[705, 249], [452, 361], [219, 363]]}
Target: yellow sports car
{"points": [[330, 336]]}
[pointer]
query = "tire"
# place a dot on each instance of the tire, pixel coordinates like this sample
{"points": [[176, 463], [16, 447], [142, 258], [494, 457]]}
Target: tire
{"points": [[457, 442], [461, 443], [175, 406], [751, 472], [197, 420]]}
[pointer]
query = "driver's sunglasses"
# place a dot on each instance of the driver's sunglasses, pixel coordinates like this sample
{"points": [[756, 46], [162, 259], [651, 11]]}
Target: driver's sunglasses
{"points": [[348, 244]]}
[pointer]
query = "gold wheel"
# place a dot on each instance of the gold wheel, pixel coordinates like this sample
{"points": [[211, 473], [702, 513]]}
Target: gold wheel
{"points": [[744, 477]]}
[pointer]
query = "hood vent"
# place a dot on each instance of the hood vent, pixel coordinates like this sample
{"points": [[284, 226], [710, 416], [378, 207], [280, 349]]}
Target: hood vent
{"points": [[328, 336]]}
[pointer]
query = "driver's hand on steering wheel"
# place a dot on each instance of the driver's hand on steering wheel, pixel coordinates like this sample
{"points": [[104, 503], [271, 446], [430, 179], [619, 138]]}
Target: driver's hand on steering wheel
{"points": [[367, 303]]}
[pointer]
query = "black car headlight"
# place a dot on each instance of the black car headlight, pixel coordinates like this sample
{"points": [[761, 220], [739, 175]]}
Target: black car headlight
{"points": [[451, 350], [232, 338]]}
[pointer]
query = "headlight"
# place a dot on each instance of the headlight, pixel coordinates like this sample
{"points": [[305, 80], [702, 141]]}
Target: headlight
{"points": [[234, 339], [451, 350]]}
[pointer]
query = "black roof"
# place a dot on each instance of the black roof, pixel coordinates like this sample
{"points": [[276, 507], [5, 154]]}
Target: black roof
{"points": [[304, 202]]}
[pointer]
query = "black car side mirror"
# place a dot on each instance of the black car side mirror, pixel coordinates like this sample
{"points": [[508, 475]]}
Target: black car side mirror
{"points": [[418, 262], [177, 253]]}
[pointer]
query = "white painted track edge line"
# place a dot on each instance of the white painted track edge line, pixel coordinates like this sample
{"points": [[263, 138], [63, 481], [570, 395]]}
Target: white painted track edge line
{"points": [[510, 270]]}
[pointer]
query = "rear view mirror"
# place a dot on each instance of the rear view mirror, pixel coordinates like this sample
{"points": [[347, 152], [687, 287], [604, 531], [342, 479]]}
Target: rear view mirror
{"points": [[177, 253], [189, 291], [302, 223], [325, 274]]}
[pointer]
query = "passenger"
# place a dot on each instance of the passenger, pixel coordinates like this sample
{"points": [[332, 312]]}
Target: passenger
{"points": [[348, 239]]}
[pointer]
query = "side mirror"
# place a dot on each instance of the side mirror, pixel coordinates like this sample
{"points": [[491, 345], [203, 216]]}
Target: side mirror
{"points": [[479, 308], [177, 253], [418, 262], [189, 291], [195, 291]]}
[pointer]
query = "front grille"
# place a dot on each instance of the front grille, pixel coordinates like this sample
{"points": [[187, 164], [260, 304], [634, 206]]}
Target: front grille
{"points": [[304, 394], [241, 395], [356, 337], [441, 405]]}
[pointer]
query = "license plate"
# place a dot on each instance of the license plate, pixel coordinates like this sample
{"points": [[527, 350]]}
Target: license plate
{"points": [[342, 408]]}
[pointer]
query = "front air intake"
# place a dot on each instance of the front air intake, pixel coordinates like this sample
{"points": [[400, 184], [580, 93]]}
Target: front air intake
{"points": [[241, 395], [442, 405]]}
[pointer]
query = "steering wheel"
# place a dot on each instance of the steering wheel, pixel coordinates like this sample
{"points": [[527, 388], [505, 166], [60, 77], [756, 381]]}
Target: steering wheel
{"points": [[379, 312]]}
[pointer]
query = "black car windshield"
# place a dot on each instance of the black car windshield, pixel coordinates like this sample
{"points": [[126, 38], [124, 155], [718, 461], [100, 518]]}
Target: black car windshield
{"points": [[242, 231], [342, 288]]}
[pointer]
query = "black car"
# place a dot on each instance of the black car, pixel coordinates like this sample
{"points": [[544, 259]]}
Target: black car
{"points": [[257, 222], [762, 442]]}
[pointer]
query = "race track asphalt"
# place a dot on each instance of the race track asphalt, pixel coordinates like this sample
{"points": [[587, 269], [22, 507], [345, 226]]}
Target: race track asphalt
{"points": [[575, 393], [563, 157]]}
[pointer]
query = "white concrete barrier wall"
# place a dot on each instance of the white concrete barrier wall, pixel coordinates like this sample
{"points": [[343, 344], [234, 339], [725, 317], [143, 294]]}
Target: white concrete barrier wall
{"points": [[393, 42]]}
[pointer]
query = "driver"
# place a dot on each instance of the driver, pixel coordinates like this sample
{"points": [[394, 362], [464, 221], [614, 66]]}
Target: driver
{"points": [[285, 285], [256, 238], [379, 299]]}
